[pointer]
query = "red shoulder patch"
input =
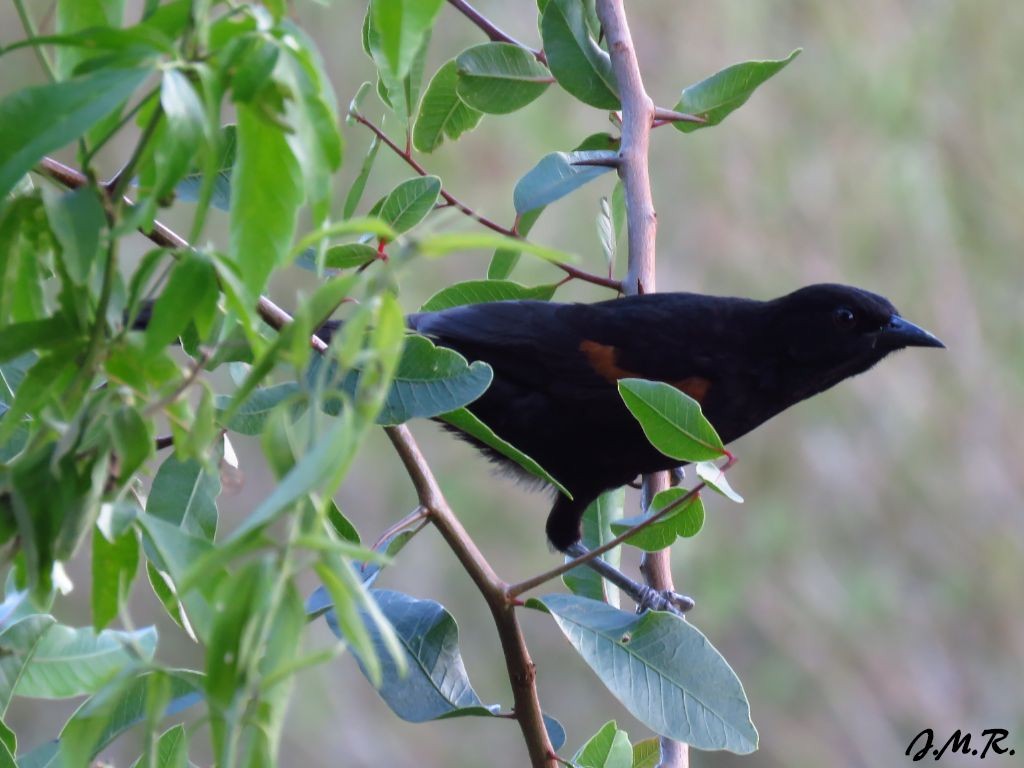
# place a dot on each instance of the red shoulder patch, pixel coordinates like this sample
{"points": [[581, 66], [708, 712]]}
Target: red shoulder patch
{"points": [[603, 358]]}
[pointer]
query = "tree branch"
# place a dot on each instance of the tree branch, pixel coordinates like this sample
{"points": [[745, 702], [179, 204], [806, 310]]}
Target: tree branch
{"points": [[491, 30], [638, 115], [451, 200]]}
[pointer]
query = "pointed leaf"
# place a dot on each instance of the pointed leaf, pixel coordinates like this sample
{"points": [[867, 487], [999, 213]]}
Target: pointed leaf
{"points": [[480, 291], [579, 64], [442, 113], [717, 96], [555, 176], [409, 203], [672, 421]]}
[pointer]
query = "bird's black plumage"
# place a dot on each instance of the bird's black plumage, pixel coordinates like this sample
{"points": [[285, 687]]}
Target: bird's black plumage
{"points": [[554, 391]]}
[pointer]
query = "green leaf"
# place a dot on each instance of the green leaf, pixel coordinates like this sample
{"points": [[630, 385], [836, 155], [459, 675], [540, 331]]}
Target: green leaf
{"points": [[69, 662], [442, 113], [662, 669], [672, 421], [598, 521], [555, 176], [431, 381], [190, 294], [465, 421], [401, 26], [349, 255], [250, 417], [318, 471], [498, 78], [608, 748], [684, 521], [184, 494], [122, 704], [577, 62], [715, 478], [188, 189], [132, 436], [409, 203], [40, 119], [717, 96], [355, 192], [431, 682], [77, 220], [18, 644], [504, 260], [114, 564], [79, 15], [21, 338], [171, 750], [480, 291], [647, 753], [266, 195]]}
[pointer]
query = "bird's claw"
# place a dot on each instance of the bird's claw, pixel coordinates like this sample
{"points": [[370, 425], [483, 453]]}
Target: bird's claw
{"points": [[650, 599]]}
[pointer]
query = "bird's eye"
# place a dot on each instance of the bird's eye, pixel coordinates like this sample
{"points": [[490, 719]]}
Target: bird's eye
{"points": [[843, 317]]}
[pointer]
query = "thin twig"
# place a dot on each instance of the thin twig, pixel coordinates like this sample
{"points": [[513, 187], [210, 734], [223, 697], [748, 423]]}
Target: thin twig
{"points": [[451, 200], [491, 30], [533, 582], [663, 115]]}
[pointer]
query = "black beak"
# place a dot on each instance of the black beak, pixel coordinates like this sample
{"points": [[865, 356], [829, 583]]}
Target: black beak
{"points": [[903, 333]]}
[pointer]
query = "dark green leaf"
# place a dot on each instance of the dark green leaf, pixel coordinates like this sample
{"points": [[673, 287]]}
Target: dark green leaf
{"points": [[672, 421], [191, 294], [77, 220], [480, 291], [188, 189], [717, 96], [577, 62], [132, 436], [662, 669], [251, 415], [465, 421], [349, 255], [442, 113], [77, 15], [498, 78], [40, 119], [114, 563], [555, 176], [20, 338], [266, 195], [409, 203]]}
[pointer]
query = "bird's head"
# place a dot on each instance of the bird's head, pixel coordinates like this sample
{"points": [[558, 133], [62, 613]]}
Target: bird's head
{"points": [[841, 331]]}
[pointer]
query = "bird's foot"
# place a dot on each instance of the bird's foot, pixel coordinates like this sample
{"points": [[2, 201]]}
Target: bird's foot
{"points": [[645, 597]]}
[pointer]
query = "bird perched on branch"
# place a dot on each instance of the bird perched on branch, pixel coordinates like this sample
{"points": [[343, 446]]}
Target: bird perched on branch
{"points": [[556, 366]]}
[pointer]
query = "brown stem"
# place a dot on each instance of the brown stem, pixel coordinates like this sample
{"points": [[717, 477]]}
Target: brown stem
{"points": [[451, 200], [491, 30], [638, 115], [521, 670], [662, 115]]}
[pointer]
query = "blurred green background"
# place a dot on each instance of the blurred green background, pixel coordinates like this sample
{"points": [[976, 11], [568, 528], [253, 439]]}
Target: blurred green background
{"points": [[872, 584]]}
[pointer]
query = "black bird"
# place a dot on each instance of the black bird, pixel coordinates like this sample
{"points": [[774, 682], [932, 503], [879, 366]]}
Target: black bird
{"points": [[554, 392]]}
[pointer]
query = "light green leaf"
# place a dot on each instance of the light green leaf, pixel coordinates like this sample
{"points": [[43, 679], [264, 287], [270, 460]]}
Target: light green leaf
{"points": [[250, 417], [662, 669], [480, 291], [190, 294], [77, 220], [114, 564], [598, 521], [443, 243], [40, 119], [672, 421], [608, 748], [504, 260], [69, 662], [265, 200], [401, 26], [409, 203], [79, 15], [717, 96], [498, 78], [685, 521], [442, 113], [577, 62], [555, 176], [715, 479]]}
